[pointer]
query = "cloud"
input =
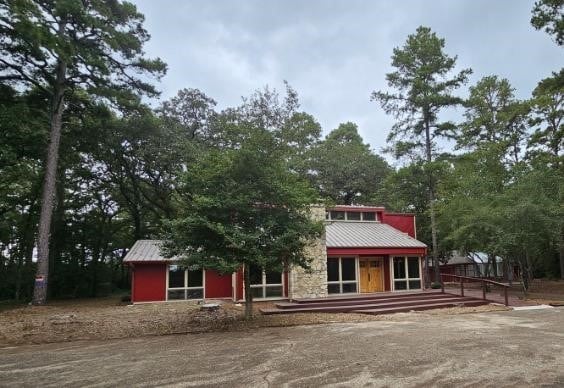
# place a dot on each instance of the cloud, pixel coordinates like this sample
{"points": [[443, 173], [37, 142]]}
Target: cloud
{"points": [[335, 53]]}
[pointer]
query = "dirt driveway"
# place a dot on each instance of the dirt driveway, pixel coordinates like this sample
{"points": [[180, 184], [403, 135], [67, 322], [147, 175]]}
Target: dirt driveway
{"points": [[514, 348]]}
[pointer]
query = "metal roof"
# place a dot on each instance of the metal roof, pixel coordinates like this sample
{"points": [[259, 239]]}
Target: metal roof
{"points": [[145, 250], [367, 234]]}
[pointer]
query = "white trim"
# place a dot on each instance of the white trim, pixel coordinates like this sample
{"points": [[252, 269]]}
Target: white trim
{"points": [[341, 282], [264, 285], [185, 288], [407, 279]]}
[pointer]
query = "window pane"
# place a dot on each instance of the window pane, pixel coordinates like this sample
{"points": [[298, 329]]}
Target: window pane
{"points": [[353, 216], [175, 294], [348, 266], [414, 284], [333, 289], [400, 285], [197, 293], [175, 276], [413, 267], [332, 269], [335, 215], [256, 274], [399, 268], [256, 292], [195, 278], [349, 287], [273, 277], [369, 216], [275, 291]]}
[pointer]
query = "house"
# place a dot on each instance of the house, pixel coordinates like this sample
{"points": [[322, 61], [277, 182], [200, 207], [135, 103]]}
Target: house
{"points": [[476, 264], [363, 250]]}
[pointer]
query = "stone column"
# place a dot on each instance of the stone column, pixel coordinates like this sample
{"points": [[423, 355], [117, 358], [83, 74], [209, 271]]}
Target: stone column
{"points": [[311, 283]]}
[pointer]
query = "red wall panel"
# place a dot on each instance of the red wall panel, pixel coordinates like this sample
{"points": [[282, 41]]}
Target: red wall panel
{"points": [[402, 222], [149, 282], [217, 285]]}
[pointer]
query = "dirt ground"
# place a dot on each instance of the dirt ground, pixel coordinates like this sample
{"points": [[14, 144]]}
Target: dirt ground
{"points": [[497, 349], [99, 319]]}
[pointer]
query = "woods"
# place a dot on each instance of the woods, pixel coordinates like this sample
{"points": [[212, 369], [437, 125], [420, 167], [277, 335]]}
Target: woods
{"points": [[91, 161]]}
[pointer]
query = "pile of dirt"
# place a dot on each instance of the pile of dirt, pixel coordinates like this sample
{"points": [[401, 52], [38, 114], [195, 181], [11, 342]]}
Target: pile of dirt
{"points": [[106, 319]]}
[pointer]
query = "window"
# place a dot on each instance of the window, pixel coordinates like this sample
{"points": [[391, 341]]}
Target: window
{"points": [[337, 215], [407, 274], [353, 216], [341, 275], [368, 216], [185, 283], [266, 284]]}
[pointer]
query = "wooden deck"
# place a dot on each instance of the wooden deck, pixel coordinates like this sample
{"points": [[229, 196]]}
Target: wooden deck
{"points": [[380, 303]]}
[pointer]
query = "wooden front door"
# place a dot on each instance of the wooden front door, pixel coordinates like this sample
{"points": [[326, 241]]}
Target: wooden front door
{"points": [[371, 274]]}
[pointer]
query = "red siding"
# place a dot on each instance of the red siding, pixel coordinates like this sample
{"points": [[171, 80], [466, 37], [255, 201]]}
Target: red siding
{"points": [[402, 222], [148, 282], [217, 285]]}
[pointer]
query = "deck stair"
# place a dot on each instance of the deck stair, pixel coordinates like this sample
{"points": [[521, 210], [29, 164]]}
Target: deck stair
{"points": [[382, 303]]}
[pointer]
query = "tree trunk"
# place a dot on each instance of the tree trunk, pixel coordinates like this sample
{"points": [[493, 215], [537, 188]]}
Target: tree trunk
{"points": [[248, 295], [436, 269], [48, 196], [561, 253]]}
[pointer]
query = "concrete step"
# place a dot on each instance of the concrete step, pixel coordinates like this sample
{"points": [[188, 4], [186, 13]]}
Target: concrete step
{"points": [[362, 301], [409, 304]]}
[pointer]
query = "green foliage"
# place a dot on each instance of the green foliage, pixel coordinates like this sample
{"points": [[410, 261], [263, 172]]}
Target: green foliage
{"points": [[98, 46], [546, 142], [549, 15], [493, 116], [346, 170], [423, 83], [240, 206]]}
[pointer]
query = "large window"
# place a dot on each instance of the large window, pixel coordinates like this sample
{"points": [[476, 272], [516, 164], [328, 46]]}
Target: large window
{"points": [[185, 283], [407, 273], [266, 284], [341, 275]]}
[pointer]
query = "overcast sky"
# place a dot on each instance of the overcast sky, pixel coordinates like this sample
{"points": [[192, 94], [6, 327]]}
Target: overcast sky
{"points": [[335, 53]]}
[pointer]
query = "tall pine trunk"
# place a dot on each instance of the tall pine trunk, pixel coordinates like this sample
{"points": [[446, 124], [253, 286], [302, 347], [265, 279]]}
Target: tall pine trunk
{"points": [[436, 269], [561, 253], [48, 196], [248, 295]]}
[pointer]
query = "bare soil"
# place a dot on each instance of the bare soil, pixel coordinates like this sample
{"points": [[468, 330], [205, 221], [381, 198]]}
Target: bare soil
{"points": [[102, 319], [498, 349]]}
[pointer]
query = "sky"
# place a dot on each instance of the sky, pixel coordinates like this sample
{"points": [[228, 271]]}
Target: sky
{"points": [[335, 53]]}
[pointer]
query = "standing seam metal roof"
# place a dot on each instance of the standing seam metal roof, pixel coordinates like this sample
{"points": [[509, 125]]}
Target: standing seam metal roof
{"points": [[145, 250], [339, 234], [368, 234]]}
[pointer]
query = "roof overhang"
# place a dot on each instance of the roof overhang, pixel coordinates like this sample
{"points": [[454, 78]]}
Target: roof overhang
{"points": [[376, 251]]}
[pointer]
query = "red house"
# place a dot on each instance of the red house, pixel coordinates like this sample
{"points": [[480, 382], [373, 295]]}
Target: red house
{"points": [[363, 250]]}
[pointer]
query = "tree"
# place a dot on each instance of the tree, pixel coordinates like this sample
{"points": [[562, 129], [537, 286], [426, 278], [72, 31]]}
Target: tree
{"points": [[549, 15], [240, 207], [62, 46], [494, 117], [545, 147], [424, 87], [345, 169]]}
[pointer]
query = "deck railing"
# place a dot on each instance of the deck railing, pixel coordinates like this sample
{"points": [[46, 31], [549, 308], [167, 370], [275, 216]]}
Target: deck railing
{"points": [[469, 279]]}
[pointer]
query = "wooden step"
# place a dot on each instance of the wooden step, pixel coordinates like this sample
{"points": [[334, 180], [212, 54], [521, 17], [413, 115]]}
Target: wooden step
{"points": [[384, 295], [346, 302], [453, 299], [391, 310]]}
